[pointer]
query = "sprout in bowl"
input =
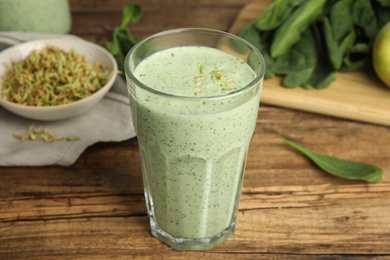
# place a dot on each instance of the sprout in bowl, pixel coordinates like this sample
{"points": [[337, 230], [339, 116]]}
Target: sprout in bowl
{"points": [[62, 108]]}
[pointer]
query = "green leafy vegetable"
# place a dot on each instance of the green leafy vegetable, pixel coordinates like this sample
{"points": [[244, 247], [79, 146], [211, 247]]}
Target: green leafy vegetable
{"points": [[290, 31], [132, 13], [249, 32], [307, 41], [275, 15], [342, 168], [340, 18], [384, 2], [363, 15], [122, 39], [335, 55]]}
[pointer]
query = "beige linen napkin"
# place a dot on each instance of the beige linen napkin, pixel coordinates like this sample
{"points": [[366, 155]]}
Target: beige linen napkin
{"points": [[110, 120]]}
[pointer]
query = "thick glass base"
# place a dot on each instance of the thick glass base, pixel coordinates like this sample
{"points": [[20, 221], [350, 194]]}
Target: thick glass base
{"points": [[190, 243]]}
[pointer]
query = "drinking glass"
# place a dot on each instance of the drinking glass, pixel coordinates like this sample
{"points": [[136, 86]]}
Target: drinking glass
{"points": [[193, 149]]}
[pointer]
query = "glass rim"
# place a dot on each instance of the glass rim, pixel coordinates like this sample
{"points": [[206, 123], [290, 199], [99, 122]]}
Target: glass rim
{"points": [[255, 81]]}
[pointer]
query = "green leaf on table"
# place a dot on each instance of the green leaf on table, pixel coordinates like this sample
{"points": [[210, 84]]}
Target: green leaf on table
{"points": [[342, 168]]}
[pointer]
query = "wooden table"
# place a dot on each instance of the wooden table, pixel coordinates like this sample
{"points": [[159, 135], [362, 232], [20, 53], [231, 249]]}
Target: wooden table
{"points": [[95, 209]]}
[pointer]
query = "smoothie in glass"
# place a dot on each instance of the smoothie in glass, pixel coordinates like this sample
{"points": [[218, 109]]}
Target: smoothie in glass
{"points": [[194, 109]]}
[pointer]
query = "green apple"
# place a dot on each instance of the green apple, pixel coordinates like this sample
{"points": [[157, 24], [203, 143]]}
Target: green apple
{"points": [[381, 54]]}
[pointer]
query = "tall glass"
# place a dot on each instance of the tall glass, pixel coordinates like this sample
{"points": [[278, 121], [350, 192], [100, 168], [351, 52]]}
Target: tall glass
{"points": [[193, 149]]}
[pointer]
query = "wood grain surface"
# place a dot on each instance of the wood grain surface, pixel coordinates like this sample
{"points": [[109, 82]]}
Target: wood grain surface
{"points": [[289, 209], [357, 96]]}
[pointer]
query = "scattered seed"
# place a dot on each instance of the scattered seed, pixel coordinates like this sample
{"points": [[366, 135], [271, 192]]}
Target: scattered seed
{"points": [[45, 134]]}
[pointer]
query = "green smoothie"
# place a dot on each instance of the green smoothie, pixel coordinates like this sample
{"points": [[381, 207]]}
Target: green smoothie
{"points": [[49, 16], [193, 143]]}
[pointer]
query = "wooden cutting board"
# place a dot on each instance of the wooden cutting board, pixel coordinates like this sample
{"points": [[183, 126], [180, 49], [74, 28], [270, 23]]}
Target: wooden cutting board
{"points": [[356, 96]]}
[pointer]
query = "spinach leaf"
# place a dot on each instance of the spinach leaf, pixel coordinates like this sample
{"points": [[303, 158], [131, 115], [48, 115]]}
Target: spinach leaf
{"points": [[296, 2], [323, 73], [290, 31], [115, 48], [322, 76], [132, 13], [334, 51], [363, 15], [250, 33], [347, 43], [270, 64], [291, 61], [274, 15], [342, 168], [340, 19], [382, 12], [385, 3], [296, 79], [122, 40], [306, 54]]}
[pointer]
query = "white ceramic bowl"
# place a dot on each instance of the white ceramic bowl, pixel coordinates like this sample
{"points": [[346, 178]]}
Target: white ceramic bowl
{"points": [[92, 52]]}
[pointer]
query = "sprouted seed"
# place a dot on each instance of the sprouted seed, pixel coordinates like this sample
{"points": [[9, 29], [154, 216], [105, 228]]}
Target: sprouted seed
{"points": [[52, 77], [38, 133], [216, 75]]}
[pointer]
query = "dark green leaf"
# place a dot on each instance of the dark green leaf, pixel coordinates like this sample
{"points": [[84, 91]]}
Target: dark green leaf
{"points": [[320, 79], [347, 43], [322, 76], [250, 33], [126, 40], [122, 40], [334, 51], [351, 63], [383, 14], [342, 168], [269, 64], [131, 14], [305, 49], [340, 19], [361, 48], [296, 2], [384, 3], [114, 48], [291, 61], [290, 31], [274, 15], [363, 15], [296, 79]]}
